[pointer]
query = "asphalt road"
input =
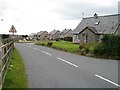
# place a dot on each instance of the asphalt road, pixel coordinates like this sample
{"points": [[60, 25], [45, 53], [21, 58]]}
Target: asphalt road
{"points": [[49, 68]]}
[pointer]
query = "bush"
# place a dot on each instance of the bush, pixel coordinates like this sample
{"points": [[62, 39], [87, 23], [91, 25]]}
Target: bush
{"points": [[49, 44], [42, 44], [87, 49], [109, 47], [82, 45], [57, 39]]}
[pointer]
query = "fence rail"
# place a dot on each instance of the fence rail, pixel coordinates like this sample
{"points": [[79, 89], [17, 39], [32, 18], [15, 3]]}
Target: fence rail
{"points": [[5, 54]]}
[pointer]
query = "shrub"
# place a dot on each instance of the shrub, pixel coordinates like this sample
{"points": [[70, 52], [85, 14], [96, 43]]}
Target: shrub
{"points": [[42, 44], [87, 49], [82, 45], [109, 47], [49, 44], [57, 39], [83, 51]]}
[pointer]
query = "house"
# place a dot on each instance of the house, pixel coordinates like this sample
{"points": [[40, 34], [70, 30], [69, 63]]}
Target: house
{"points": [[31, 36], [66, 33], [54, 34], [92, 29], [41, 35]]}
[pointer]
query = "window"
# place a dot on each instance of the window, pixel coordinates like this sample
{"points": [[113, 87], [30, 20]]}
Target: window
{"points": [[97, 23], [78, 37]]}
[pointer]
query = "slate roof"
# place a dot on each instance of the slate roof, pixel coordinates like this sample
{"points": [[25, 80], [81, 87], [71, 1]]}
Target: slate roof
{"points": [[102, 24], [32, 34], [66, 32], [53, 32], [40, 33]]}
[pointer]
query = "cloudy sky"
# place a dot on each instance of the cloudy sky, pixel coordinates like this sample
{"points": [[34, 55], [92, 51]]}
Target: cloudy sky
{"points": [[31, 16]]}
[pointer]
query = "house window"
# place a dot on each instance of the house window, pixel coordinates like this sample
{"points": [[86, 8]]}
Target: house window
{"points": [[78, 37], [97, 23]]}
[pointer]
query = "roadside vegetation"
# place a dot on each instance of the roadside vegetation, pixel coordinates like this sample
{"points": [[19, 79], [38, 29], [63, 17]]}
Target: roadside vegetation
{"points": [[61, 45], [108, 48], [16, 76]]}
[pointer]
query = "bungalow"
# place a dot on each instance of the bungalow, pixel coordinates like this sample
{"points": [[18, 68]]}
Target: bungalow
{"points": [[54, 34], [31, 36], [41, 35], [92, 29], [66, 33]]}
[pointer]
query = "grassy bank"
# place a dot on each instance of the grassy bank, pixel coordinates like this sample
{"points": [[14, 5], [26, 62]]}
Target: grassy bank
{"points": [[88, 49], [16, 76], [66, 46], [61, 45]]}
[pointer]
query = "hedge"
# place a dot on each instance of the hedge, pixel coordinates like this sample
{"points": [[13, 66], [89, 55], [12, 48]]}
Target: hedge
{"points": [[110, 46]]}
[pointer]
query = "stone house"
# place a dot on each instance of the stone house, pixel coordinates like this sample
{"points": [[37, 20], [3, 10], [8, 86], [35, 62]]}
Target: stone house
{"points": [[53, 35], [66, 33], [41, 35], [92, 29], [31, 36]]}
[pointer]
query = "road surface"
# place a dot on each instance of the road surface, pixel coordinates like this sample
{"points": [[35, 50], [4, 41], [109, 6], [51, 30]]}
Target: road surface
{"points": [[49, 68]]}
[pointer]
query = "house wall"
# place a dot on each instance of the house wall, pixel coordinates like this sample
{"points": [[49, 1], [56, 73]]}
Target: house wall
{"points": [[91, 37], [55, 36], [43, 36]]}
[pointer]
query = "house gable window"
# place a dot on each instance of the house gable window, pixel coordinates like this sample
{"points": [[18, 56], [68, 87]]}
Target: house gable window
{"points": [[96, 23]]}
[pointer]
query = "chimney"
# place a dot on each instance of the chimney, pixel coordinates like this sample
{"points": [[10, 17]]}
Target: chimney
{"points": [[95, 16]]}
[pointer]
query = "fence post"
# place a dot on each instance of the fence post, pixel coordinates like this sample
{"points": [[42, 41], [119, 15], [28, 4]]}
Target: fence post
{"points": [[5, 54]]}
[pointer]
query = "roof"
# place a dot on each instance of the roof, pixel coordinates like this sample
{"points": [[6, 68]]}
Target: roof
{"points": [[32, 34], [102, 24], [40, 33], [54, 32], [66, 31]]}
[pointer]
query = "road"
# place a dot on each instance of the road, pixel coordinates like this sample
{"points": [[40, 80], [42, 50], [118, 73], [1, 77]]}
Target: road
{"points": [[49, 68]]}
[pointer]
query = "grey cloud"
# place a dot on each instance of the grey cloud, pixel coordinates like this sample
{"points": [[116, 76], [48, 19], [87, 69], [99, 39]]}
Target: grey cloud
{"points": [[73, 10], [3, 7]]}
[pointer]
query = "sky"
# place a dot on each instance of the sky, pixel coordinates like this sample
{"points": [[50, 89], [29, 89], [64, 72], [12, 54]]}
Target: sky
{"points": [[32, 16]]}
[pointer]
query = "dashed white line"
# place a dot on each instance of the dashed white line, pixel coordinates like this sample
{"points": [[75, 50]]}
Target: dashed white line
{"points": [[36, 49], [67, 62], [46, 53], [107, 80]]}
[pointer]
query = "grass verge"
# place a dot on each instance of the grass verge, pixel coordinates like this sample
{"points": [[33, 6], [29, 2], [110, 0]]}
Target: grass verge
{"points": [[61, 45], [16, 76]]}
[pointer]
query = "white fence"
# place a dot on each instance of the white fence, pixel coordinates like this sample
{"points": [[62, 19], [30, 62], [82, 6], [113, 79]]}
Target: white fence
{"points": [[5, 54]]}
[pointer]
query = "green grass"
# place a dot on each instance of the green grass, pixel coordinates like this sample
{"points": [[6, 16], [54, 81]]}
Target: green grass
{"points": [[62, 45], [67, 46], [16, 77]]}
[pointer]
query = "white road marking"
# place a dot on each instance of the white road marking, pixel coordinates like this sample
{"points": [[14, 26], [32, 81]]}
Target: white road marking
{"points": [[46, 53], [107, 80], [36, 49], [67, 62]]}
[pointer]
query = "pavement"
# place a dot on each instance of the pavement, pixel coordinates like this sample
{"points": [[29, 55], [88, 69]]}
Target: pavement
{"points": [[50, 68]]}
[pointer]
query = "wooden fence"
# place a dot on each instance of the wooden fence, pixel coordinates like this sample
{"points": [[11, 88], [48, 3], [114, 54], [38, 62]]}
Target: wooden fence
{"points": [[5, 54]]}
